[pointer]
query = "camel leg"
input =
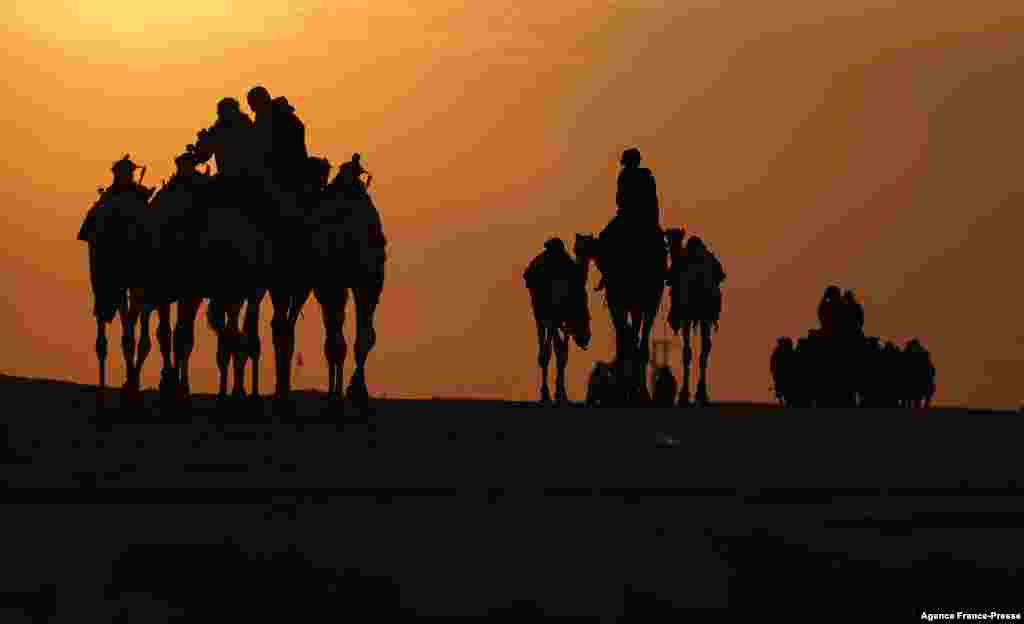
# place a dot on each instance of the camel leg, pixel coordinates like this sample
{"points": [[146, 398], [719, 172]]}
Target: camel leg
{"points": [[168, 379], [327, 313], [281, 301], [332, 303], [226, 346], [236, 349], [251, 329], [684, 392], [544, 332], [184, 341], [342, 346], [129, 315], [705, 353], [618, 315], [366, 299], [101, 353], [645, 352], [562, 359], [145, 344]]}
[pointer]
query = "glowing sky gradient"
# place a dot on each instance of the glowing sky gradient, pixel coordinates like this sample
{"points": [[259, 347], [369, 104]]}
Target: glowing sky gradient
{"points": [[865, 144]]}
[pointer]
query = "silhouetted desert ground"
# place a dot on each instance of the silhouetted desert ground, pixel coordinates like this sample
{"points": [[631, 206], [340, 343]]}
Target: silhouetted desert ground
{"points": [[487, 507]]}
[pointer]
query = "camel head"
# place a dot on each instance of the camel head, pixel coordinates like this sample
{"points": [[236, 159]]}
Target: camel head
{"points": [[585, 248], [579, 327]]}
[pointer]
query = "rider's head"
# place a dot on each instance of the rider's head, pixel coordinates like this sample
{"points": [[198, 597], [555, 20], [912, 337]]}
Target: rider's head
{"points": [[694, 244], [554, 245], [630, 158], [228, 108], [123, 170], [259, 99], [832, 292]]}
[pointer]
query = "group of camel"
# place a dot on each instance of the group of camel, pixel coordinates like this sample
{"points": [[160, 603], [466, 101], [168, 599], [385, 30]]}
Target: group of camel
{"points": [[634, 279], [190, 243]]}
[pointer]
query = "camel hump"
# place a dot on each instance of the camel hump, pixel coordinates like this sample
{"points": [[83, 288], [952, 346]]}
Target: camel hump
{"points": [[115, 217]]}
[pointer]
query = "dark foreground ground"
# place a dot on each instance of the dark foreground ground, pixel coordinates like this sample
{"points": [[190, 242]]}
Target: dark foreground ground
{"points": [[501, 509]]}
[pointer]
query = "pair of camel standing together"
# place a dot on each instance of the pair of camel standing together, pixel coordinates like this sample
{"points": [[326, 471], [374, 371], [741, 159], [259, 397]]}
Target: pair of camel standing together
{"points": [[634, 282], [189, 244]]}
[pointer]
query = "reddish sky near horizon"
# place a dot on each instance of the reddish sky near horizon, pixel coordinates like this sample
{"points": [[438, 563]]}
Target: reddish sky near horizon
{"points": [[858, 143]]}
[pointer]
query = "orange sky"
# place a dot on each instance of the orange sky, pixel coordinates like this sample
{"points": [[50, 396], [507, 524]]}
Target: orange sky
{"points": [[855, 143]]}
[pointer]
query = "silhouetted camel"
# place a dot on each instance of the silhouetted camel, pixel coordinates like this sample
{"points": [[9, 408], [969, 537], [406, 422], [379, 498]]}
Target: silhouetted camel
{"points": [[259, 227], [172, 257], [113, 231], [558, 296], [347, 253], [695, 293], [634, 281]]}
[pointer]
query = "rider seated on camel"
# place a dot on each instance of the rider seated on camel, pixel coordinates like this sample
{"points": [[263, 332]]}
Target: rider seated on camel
{"points": [[124, 182], [185, 169], [348, 182], [637, 199]]}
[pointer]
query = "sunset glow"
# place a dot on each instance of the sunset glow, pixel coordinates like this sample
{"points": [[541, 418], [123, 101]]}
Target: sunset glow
{"points": [[859, 143]]}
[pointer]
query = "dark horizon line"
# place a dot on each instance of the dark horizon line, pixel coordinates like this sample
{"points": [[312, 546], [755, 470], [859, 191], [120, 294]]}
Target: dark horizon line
{"points": [[385, 396]]}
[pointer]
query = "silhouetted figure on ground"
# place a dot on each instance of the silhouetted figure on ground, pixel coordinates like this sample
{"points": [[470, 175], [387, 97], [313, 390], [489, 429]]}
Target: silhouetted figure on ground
{"points": [[828, 310], [114, 230], [892, 365], [665, 387], [871, 377], [782, 365], [558, 296], [695, 292], [918, 377], [804, 372], [853, 314]]}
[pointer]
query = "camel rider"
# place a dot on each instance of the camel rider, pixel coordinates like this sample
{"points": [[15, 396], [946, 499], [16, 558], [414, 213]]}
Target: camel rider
{"points": [[637, 200], [124, 183], [348, 182], [230, 140], [282, 139], [185, 168], [636, 195]]}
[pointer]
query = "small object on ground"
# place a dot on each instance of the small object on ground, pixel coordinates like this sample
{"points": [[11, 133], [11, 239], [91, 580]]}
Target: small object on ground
{"points": [[664, 439]]}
